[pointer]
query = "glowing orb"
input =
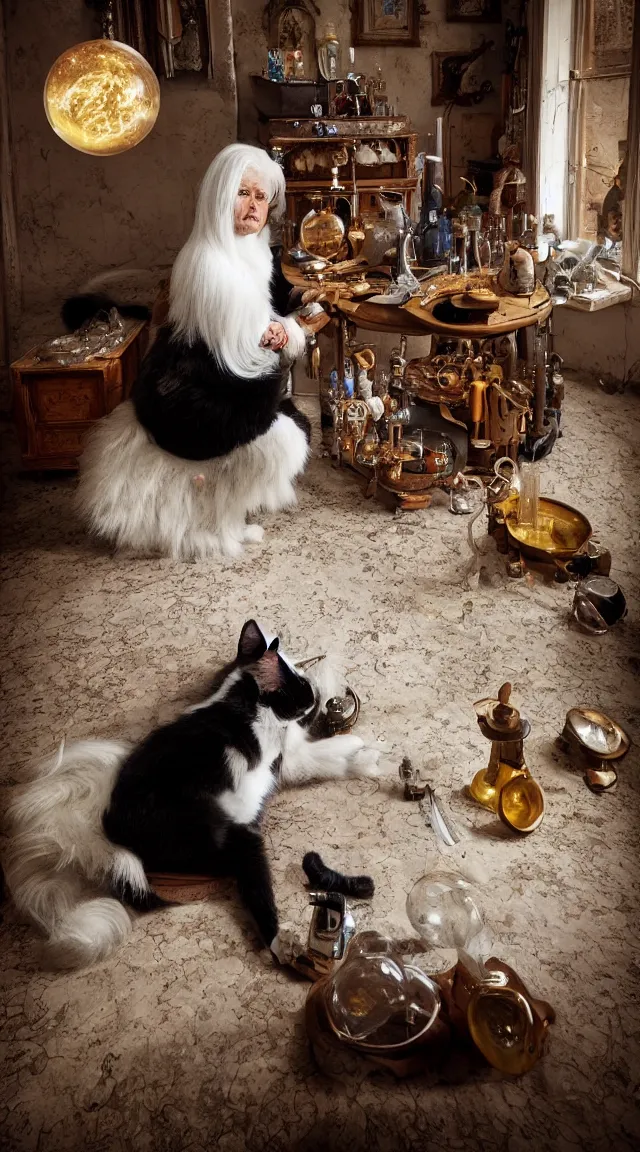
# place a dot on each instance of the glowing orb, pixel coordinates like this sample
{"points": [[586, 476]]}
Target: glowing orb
{"points": [[102, 97]]}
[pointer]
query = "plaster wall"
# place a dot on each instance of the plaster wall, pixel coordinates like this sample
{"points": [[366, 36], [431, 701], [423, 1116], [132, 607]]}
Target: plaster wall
{"points": [[603, 344], [78, 215]]}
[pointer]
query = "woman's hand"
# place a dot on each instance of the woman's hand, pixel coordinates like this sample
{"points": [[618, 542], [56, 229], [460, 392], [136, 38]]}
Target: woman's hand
{"points": [[275, 337]]}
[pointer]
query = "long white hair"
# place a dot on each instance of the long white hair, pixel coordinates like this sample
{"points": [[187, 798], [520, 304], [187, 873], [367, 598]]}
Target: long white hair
{"points": [[220, 281]]}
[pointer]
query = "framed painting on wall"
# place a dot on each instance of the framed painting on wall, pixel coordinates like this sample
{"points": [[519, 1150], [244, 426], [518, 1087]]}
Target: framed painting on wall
{"points": [[474, 11], [380, 22]]}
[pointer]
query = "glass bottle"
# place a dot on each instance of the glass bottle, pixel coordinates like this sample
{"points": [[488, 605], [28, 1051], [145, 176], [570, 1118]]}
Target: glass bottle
{"points": [[329, 54], [432, 203], [321, 231], [528, 500]]}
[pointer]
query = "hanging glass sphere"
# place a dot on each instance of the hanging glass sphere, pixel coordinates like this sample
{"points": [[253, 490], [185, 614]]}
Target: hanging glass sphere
{"points": [[102, 97]]}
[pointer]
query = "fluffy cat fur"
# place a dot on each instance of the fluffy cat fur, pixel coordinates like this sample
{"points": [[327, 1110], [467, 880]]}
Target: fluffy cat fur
{"points": [[140, 498], [188, 799]]}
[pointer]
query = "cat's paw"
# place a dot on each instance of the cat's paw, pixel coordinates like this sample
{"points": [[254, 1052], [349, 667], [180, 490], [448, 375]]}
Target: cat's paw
{"points": [[230, 547], [253, 534], [287, 945], [334, 755], [365, 763], [346, 746]]}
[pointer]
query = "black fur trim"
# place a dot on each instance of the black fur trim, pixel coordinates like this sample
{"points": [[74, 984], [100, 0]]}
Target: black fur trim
{"points": [[289, 409], [77, 310], [196, 409], [280, 289], [319, 876]]}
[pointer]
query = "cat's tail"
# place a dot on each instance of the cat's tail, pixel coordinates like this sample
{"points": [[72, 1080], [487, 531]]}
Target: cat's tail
{"points": [[58, 857]]}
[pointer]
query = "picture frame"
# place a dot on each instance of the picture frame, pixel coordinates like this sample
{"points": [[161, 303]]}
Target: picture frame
{"points": [[474, 11], [292, 29], [381, 23], [447, 76]]}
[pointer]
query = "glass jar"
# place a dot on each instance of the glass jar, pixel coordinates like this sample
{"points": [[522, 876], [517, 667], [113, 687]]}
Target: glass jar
{"points": [[329, 54], [322, 231]]}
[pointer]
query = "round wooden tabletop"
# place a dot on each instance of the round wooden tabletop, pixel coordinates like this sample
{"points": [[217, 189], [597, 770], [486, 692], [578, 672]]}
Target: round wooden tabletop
{"points": [[513, 312], [415, 318]]}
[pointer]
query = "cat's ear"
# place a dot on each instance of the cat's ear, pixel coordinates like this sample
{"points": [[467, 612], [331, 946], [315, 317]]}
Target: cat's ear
{"points": [[274, 645], [252, 644]]}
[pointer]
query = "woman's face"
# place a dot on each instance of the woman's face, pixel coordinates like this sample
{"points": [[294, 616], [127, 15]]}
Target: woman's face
{"points": [[251, 207]]}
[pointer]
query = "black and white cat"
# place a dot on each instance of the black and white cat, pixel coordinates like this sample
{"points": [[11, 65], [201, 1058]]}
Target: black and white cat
{"points": [[188, 799]]}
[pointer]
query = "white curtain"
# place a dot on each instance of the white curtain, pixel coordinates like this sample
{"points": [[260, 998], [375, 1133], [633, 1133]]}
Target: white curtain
{"points": [[536, 20], [631, 237], [222, 68], [9, 262]]}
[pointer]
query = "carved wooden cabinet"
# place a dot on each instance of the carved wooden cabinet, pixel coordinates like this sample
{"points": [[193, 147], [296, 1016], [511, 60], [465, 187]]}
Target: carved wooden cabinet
{"points": [[54, 407], [307, 159]]}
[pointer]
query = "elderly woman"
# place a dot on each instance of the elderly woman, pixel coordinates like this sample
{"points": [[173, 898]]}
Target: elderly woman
{"points": [[208, 437]]}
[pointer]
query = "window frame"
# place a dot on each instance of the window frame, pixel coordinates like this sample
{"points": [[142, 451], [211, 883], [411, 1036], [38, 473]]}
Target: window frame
{"points": [[572, 140]]}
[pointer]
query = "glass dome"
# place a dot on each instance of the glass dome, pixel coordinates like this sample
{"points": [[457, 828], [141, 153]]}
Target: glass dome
{"points": [[443, 910], [377, 1001]]}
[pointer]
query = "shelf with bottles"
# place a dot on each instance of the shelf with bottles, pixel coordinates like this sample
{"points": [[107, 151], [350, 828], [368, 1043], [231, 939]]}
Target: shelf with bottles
{"points": [[375, 159], [300, 195]]}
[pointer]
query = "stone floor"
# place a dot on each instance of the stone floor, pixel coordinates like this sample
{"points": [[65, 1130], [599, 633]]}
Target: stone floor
{"points": [[191, 1038]]}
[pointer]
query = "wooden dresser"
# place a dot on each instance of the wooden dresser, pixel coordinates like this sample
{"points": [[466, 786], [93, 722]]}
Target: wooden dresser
{"points": [[54, 407]]}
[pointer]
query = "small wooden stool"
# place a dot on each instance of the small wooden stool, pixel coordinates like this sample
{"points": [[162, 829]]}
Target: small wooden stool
{"points": [[180, 889], [54, 406]]}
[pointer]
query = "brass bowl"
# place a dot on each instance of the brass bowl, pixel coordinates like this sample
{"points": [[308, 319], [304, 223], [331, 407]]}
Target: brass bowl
{"points": [[561, 531], [488, 794], [400, 480], [504, 1028], [598, 734], [521, 804]]}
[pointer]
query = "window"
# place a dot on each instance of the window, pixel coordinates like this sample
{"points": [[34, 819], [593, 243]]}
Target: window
{"points": [[583, 128], [599, 101]]}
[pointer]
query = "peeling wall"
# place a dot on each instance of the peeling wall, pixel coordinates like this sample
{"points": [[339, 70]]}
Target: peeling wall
{"points": [[78, 215], [603, 344]]}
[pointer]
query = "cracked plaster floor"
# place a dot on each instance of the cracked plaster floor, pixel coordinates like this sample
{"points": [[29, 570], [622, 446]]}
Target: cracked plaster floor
{"points": [[190, 1038]]}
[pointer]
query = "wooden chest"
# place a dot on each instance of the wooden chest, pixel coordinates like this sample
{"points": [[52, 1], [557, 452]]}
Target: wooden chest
{"points": [[54, 406]]}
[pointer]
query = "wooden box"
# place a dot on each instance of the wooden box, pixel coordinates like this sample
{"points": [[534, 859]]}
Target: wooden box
{"points": [[54, 407]]}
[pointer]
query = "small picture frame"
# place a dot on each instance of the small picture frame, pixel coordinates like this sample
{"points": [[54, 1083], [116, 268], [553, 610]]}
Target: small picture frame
{"points": [[474, 11], [377, 23]]}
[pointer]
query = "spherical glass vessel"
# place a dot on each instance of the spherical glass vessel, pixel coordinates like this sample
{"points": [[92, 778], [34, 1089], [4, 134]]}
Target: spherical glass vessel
{"points": [[376, 1001], [322, 231], [102, 97], [443, 911], [367, 991]]}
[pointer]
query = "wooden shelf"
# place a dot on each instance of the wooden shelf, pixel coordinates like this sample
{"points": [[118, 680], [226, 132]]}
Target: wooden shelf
{"points": [[368, 185], [336, 140]]}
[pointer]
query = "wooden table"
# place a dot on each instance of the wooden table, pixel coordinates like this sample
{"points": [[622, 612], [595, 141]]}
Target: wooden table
{"points": [[417, 318], [421, 316]]}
